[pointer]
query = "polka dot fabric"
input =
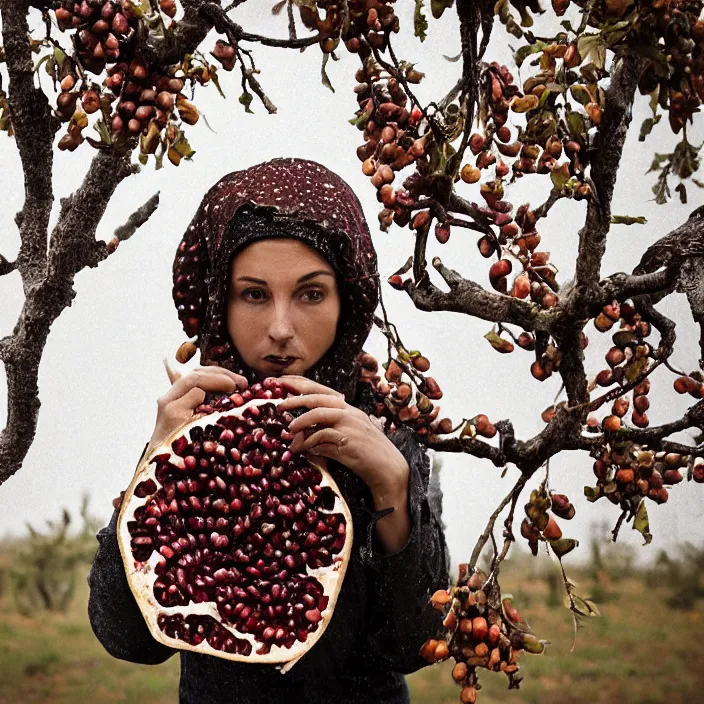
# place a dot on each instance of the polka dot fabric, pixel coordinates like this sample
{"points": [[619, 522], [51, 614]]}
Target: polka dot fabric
{"points": [[284, 197]]}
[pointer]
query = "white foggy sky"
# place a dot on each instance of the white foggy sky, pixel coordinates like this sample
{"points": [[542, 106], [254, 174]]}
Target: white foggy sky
{"points": [[101, 371]]}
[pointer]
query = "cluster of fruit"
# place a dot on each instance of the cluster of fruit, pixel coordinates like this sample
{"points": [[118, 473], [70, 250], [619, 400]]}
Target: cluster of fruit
{"points": [[480, 631], [626, 472], [541, 144], [627, 359], [104, 33], [517, 235], [103, 28], [540, 525], [396, 396], [692, 384], [145, 96], [391, 141], [677, 24], [371, 19]]}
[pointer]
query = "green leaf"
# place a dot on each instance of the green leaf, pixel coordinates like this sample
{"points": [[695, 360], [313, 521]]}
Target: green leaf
{"points": [[641, 523], [541, 126], [592, 46], [102, 129], [360, 121], [419, 21], [628, 220], [584, 607], [657, 161], [661, 188], [246, 100], [577, 126], [647, 127], [525, 51], [560, 176], [216, 81], [498, 342], [635, 368], [654, 101], [581, 94], [591, 493], [324, 75], [182, 146], [685, 159], [563, 546], [49, 61], [437, 7]]}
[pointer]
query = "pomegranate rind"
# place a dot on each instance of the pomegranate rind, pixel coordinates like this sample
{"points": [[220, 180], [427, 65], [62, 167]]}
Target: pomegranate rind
{"points": [[141, 575]]}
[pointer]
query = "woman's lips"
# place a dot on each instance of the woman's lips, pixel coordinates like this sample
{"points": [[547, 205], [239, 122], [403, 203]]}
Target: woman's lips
{"points": [[280, 361]]}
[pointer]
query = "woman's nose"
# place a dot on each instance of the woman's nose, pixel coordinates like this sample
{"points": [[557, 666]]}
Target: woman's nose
{"points": [[280, 326]]}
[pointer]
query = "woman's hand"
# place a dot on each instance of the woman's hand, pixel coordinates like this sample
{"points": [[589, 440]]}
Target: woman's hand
{"points": [[346, 434], [187, 392]]}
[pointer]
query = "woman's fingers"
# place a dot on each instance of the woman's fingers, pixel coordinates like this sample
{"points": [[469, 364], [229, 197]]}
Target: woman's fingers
{"points": [[306, 386], [323, 415], [312, 401], [190, 400], [172, 373], [207, 379]]}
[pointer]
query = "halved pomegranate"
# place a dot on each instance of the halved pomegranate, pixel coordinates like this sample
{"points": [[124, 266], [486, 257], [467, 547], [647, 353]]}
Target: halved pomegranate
{"points": [[233, 546]]}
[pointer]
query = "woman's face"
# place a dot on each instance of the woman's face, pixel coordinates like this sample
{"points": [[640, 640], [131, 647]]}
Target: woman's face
{"points": [[282, 301]]}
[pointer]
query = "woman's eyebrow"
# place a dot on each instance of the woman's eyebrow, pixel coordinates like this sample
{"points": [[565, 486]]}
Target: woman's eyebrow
{"points": [[306, 277]]}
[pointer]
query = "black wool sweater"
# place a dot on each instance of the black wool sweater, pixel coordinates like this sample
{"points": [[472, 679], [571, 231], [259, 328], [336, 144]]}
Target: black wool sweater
{"points": [[381, 620]]}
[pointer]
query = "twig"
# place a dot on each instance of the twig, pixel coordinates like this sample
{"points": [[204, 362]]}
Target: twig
{"points": [[137, 218]]}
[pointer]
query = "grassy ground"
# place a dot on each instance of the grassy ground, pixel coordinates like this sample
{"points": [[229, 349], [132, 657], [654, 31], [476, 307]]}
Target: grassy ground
{"points": [[639, 651]]}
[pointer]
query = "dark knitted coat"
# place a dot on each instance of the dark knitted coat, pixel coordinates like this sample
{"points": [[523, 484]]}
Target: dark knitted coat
{"points": [[382, 616]]}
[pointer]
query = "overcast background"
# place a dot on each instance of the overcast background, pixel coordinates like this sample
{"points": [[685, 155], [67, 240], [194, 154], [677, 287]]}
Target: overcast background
{"points": [[101, 372]]}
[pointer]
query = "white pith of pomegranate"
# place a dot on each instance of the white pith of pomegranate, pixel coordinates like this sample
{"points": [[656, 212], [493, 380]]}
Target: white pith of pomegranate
{"points": [[228, 558]]}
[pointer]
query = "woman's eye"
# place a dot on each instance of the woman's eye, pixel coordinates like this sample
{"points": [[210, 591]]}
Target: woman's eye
{"points": [[317, 294], [249, 291]]}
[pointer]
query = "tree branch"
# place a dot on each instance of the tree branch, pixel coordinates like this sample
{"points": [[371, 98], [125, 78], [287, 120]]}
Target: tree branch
{"points": [[621, 286], [606, 158], [5, 266], [652, 437], [563, 432], [35, 128], [73, 245], [223, 24], [470, 298], [137, 219]]}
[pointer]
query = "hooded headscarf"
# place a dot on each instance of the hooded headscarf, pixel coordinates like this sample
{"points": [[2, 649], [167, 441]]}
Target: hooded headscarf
{"points": [[284, 197]]}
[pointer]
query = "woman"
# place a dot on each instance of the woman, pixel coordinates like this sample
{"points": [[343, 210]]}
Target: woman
{"points": [[237, 286]]}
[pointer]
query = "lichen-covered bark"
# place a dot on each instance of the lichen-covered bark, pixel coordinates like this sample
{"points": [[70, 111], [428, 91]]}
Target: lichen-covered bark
{"points": [[47, 276]]}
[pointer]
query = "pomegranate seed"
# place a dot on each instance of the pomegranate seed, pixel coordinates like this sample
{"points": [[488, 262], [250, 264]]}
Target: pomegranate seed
{"points": [[285, 511], [313, 615]]}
